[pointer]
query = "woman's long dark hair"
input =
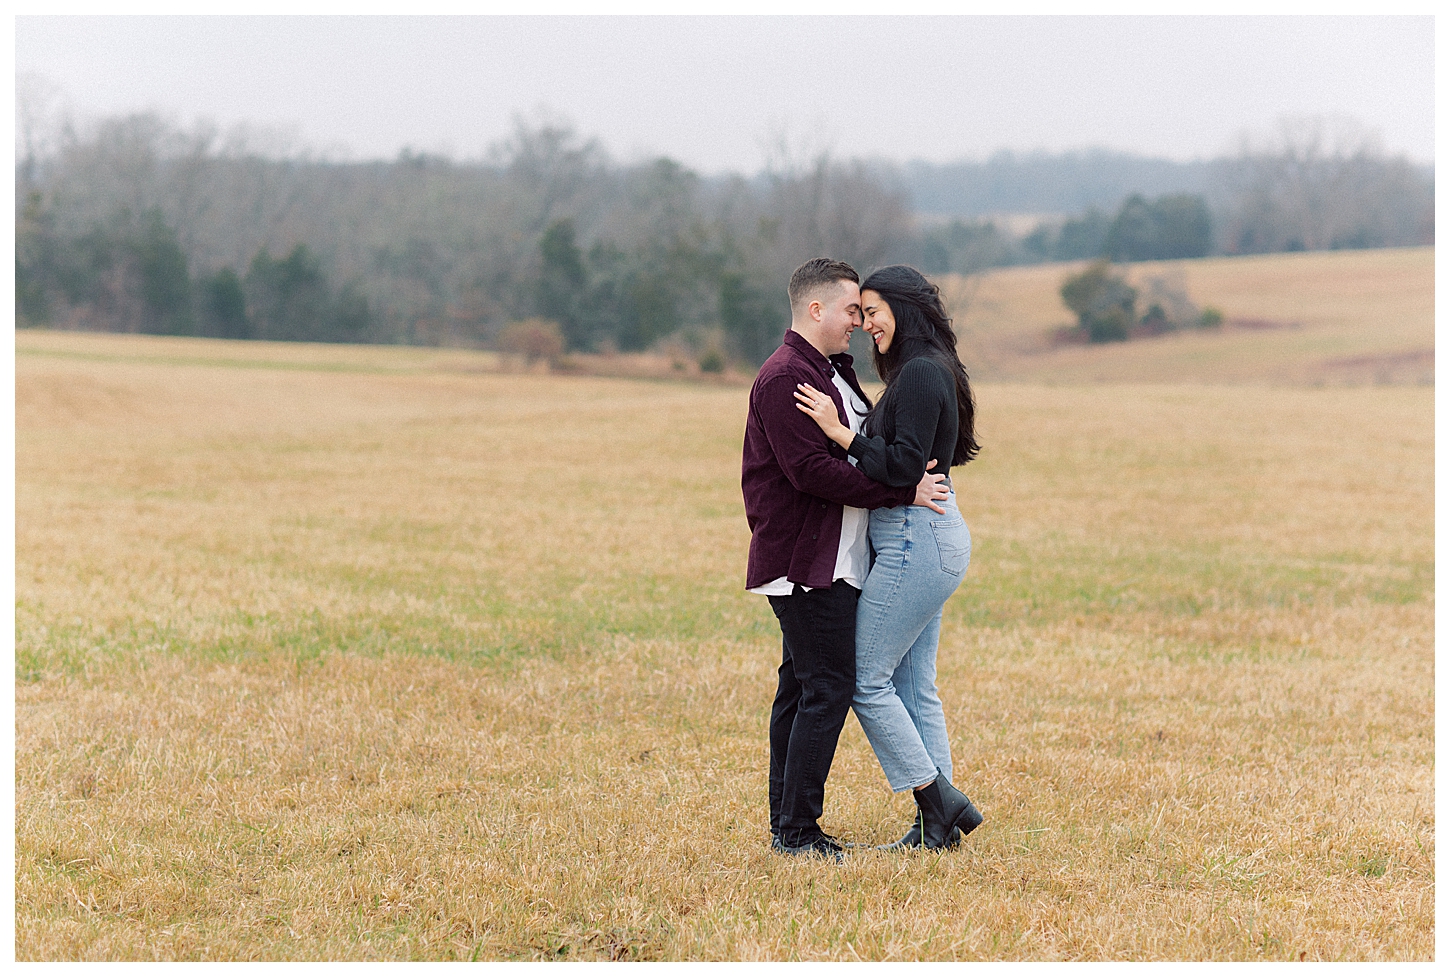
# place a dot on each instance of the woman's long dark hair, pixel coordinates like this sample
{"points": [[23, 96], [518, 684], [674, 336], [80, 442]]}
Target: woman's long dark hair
{"points": [[922, 329]]}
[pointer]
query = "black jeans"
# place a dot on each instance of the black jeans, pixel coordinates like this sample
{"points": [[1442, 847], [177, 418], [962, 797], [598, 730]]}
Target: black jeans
{"points": [[817, 679]]}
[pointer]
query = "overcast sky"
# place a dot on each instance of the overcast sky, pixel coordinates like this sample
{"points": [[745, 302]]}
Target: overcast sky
{"points": [[717, 92]]}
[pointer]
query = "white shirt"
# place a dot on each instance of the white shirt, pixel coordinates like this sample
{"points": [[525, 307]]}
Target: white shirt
{"points": [[851, 555]]}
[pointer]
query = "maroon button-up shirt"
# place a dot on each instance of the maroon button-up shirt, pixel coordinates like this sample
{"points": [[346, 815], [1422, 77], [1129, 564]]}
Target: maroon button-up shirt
{"points": [[795, 479]]}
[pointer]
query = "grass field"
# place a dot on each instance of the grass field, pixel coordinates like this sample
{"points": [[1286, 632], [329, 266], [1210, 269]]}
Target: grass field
{"points": [[331, 653]]}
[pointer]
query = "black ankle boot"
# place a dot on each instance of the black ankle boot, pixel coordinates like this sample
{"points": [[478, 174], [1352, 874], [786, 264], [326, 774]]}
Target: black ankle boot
{"points": [[941, 807]]}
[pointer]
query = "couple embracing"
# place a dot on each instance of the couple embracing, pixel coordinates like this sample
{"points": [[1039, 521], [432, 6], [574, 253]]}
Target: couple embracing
{"points": [[857, 542]]}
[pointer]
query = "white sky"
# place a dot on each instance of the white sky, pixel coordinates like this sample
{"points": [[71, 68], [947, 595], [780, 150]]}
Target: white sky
{"points": [[715, 92]]}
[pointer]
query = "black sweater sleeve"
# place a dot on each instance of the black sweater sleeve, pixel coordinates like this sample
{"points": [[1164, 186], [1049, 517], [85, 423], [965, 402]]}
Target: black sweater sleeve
{"points": [[922, 391]]}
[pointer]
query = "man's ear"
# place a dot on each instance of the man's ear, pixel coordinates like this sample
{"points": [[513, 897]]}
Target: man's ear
{"points": [[816, 310]]}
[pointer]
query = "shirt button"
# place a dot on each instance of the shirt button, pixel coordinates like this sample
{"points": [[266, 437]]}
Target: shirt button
{"points": [[813, 536]]}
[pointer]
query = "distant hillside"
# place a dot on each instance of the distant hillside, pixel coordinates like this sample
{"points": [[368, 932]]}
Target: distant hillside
{"points": [[1327, 318], [1043, 183]]}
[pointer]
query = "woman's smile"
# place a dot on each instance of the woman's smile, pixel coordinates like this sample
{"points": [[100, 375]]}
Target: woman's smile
{"points": [[880, 323]]}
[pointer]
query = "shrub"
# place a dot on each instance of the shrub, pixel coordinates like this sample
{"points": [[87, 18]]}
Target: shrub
{"points": [[1155, 320], [533, 339], [1169, 308], [1104, 303]]}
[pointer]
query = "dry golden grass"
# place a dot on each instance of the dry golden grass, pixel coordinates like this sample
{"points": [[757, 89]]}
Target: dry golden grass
{"points": [[355, 654], [1349, 318]]}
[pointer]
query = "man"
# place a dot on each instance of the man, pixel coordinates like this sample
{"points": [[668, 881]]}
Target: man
{"points": [[805, 502]]}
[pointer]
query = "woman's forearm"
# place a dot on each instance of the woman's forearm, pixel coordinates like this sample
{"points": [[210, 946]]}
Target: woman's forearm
{"points": [[842, 435], [897, 464]]}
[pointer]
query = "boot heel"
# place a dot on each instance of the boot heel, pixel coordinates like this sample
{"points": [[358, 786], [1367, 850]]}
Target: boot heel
{"points": [[970, 818], [944, 811]]}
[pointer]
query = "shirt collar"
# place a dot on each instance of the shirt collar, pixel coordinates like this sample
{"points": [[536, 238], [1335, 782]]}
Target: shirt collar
{"points": [[826, 365]]}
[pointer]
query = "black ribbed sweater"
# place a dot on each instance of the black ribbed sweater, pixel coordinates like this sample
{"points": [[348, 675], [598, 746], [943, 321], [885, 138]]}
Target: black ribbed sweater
{"points": [[915, 422]]}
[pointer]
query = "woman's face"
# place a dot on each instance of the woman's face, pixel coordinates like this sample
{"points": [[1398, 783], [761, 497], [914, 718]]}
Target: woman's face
{"points": [[880, 323]]}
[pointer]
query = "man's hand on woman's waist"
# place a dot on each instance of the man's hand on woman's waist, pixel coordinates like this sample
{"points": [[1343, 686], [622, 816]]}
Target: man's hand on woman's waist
{"points": [[930, 489]]}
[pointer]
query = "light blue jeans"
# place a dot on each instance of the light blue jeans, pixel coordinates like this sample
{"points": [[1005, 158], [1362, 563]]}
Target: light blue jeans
{"points": [[921, 557]]}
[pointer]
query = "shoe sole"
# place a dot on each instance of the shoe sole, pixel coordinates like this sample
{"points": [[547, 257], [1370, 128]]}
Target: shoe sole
{"points": [[825, 856]]}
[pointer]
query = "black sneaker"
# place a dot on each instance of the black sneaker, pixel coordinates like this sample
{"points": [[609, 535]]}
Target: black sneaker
{"points": [[821, 846]]}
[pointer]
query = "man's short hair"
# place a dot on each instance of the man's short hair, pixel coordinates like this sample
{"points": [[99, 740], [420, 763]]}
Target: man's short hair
{"points": [[807, 281]]}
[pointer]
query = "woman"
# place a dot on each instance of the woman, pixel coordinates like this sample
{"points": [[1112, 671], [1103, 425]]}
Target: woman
{"points": [[927, 412]]}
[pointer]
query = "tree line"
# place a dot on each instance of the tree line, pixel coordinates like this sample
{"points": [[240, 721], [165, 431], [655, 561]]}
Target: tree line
{"points": [[1309, 189], [138, 225]]}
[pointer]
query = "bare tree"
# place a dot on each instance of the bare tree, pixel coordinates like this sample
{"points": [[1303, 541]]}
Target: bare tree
{"points": [[1320, 183]]}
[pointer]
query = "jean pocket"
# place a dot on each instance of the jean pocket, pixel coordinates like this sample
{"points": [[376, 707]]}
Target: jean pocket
{"points": [[953, 544]]}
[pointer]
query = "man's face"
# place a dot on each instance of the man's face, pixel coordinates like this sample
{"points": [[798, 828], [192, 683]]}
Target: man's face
{"points": [[840, 316]]}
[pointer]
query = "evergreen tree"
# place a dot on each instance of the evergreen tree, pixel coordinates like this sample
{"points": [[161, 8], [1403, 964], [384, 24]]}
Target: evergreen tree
{"points": [[224, 306], [163, 279], [562, 280], [287, 299]]}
